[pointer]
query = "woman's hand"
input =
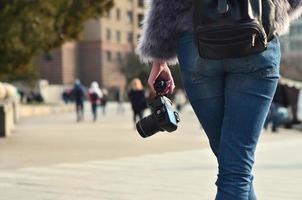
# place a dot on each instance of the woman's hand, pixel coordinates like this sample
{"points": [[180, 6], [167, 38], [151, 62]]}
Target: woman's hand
{"points": [[162, 71]]}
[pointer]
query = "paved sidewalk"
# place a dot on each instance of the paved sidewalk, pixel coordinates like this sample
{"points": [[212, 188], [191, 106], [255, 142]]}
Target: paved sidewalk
{"points": [[52, 158], [186, 175]]}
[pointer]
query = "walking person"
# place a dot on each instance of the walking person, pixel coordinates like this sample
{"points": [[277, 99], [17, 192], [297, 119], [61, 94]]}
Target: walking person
{"points": [[230, 94], [78, 94], [137, 99], [180, 100], [278, 113], [104, 100], [95, 95], [120, 102]]}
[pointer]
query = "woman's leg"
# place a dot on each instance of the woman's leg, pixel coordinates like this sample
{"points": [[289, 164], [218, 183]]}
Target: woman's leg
{"points": [[209, 111], [204, 85], [79, 111], [244, 115], [250, 86], [82, 110], [94, 111]]}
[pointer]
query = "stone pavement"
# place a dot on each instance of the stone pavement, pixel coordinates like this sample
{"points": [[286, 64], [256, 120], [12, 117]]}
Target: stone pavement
{"points": [[184, 174]]}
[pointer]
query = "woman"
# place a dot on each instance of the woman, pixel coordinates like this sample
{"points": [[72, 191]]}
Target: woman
{"points": [[137, 98], [231, 97], [95, 94]]}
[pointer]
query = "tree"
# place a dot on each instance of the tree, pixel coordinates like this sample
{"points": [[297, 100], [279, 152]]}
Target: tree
{"points": [[31, 27], [132, 68]]}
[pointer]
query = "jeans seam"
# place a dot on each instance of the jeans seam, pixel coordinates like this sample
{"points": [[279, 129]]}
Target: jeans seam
{"points": [[232, 156]]}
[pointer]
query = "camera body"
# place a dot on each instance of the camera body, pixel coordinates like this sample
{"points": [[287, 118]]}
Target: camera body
{"points": [[162, 118]]}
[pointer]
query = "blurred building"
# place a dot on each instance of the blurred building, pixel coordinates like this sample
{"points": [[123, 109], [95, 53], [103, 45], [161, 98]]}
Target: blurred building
{"points": [[291, 45], [106, 41], [61, 65]]}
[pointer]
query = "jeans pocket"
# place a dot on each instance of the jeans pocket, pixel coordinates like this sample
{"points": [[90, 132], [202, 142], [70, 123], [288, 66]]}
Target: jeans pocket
{"points": [[267, 72], [203, 69], [267, 63]]}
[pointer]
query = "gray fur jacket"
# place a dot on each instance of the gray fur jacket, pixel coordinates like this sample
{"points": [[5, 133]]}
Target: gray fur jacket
{"points": [[165, 20]]}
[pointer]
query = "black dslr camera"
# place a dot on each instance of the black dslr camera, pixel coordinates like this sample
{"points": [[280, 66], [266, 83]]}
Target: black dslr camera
{"points": [[163, 117]]}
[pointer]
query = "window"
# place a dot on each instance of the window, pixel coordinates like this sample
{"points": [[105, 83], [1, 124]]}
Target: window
{"points": [[141, 3], [140, 18], [130, 37], [118, 36], [108, 34], [130, 17], [109, 56], [118, 14]]}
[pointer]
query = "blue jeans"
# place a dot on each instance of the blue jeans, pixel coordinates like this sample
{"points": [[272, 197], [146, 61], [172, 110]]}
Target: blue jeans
{"points": [[94, 107], [231, 98]]}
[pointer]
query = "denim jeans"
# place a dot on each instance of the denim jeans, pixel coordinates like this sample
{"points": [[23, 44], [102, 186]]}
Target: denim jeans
{"points": [[231, 98], [94, 107]]}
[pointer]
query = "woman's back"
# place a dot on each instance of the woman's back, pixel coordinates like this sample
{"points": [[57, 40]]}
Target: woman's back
{"points": [[137, 99]]}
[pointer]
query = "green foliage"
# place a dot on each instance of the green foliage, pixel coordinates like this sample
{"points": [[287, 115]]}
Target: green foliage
{"points": [[30, 27], [132, 68]]}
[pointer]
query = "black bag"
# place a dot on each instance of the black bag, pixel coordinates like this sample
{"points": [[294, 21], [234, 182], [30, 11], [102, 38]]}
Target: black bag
{"points": [[233, 28], [94, 96]]}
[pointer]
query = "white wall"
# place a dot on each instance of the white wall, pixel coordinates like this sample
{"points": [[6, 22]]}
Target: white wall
{"points": [[51, 93]]}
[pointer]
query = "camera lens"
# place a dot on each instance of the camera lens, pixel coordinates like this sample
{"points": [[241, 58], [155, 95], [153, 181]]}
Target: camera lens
{"points": [[147, 126]]}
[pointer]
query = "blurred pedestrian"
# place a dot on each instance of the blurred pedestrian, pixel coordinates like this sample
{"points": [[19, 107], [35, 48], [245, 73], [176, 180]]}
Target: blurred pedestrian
{"points": [[299, 114], [180, 99], [279, 112], [66, 96], [95, 95], [22, 95], [104, 100], [78, 94], [292, 93], [137, 99], [120, 102]]}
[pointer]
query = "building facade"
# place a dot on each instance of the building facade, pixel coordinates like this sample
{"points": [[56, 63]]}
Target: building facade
{"points": [[108, 40], [60, 66], [291, 46], [98, 56]]}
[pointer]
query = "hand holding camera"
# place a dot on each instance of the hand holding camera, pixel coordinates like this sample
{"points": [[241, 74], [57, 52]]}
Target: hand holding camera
{"points": [[161, 70], [163, 116]]}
